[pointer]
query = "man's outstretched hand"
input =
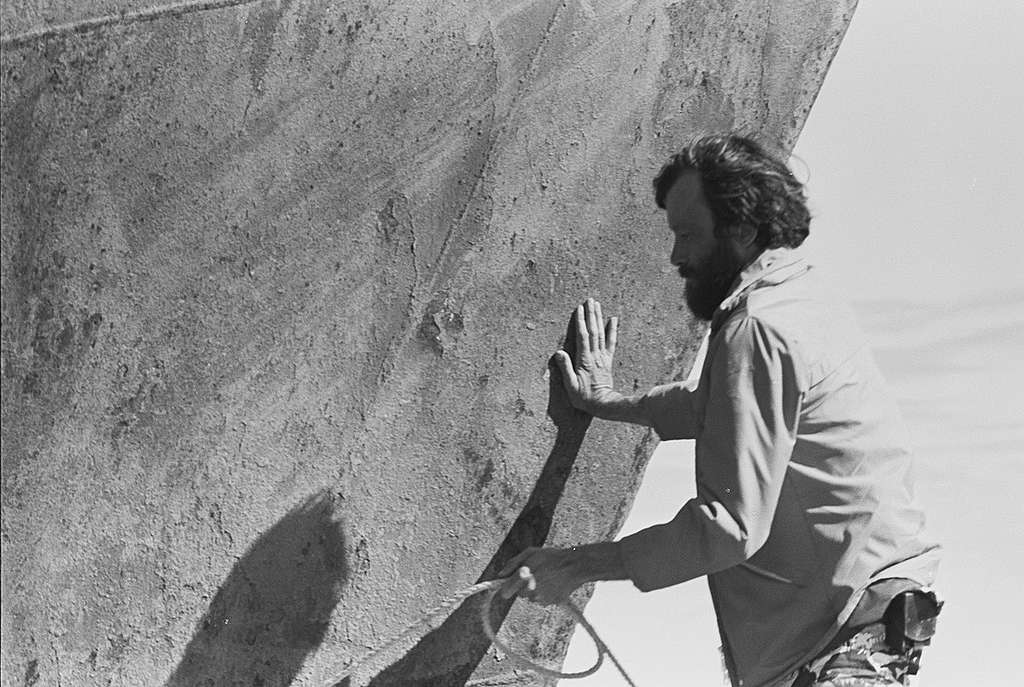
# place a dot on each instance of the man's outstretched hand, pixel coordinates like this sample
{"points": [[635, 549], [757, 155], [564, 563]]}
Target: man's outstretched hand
{"points": [[588, 383]]}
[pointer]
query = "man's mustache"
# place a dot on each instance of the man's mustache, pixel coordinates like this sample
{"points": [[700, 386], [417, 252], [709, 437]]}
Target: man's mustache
{"points": [[687, 272]]}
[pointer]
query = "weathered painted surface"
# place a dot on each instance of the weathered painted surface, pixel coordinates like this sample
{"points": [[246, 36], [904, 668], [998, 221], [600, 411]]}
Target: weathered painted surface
{"points": [[280, 281]]}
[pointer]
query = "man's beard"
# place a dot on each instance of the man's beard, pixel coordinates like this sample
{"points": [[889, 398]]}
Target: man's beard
{"points": [[708, 283]]}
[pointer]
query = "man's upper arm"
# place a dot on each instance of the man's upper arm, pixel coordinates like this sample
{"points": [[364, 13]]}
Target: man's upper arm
{"points": [[670, 409], [751, 417]]}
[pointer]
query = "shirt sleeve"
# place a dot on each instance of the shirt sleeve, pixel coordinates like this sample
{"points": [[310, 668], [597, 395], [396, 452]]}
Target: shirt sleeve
{"points": [[671, 411], [743, 448]]}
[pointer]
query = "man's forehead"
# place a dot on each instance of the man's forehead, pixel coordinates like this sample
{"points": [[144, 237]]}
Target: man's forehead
{"points": [[685, 198], [685, 191]]}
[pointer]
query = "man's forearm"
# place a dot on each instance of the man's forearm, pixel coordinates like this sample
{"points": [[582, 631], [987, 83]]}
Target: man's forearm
{"points": [[620, 408], [599, 562]]}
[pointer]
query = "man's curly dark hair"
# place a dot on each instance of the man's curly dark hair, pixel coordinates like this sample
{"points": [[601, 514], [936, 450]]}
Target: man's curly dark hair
{"points": [[743, 184]]}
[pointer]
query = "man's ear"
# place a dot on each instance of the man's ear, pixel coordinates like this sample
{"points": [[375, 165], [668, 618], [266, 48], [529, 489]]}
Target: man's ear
{"points": [[744, 235]]}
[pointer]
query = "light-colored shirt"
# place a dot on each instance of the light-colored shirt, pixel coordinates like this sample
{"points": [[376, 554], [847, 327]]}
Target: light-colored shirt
{"points": [[804, 484]]}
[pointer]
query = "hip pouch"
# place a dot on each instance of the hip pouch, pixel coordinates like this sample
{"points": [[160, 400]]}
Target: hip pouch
{"points": [[910, 621]]}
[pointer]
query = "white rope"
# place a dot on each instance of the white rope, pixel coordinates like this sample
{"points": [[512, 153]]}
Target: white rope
{"points": [[602, 648], [369, 664]]}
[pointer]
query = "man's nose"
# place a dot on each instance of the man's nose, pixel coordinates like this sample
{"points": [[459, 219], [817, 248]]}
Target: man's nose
{"points": [[678, 256]]}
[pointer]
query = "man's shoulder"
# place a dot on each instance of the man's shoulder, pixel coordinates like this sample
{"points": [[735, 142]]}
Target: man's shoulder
{"points": [[803, 314], [806, 299]]}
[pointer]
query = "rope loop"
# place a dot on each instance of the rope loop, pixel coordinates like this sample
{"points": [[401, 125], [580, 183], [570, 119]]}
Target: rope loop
{"points": [[367, 665], [485, 616]]}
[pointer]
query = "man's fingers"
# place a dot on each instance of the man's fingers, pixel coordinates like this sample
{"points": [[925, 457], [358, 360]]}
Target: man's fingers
{"points": [[526, 581], [582, 334], [613, 335], [522, 581], [516, 561], [593, 327], [599, 325], [526, 575], [564, 364]]}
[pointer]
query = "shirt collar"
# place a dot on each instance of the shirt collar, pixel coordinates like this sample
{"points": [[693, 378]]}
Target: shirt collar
{"points": [[771, 266]]}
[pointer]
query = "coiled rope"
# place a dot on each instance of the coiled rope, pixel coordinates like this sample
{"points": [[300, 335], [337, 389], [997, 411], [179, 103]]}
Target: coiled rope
{"points": [[370, 664]]}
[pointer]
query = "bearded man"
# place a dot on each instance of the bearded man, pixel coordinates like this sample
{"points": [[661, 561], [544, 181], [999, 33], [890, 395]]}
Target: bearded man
{"points": [[804, 523]]}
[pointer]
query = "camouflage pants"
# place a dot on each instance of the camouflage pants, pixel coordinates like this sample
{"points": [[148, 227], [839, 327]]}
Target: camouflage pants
{"points": [[865, 660]]}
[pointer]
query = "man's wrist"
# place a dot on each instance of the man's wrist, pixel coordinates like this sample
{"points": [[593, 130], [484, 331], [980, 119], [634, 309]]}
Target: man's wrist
{"points": [[598, 562]]}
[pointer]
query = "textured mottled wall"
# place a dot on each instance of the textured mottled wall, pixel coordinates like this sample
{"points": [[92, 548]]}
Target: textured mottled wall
{"points": [[280, 281]]}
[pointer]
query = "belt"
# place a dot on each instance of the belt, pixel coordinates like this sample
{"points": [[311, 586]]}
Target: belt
{"points": [[906, 627]]}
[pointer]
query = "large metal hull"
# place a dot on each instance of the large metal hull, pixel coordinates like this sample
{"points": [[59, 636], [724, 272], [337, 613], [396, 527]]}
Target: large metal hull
{"points": [[280, 281]]}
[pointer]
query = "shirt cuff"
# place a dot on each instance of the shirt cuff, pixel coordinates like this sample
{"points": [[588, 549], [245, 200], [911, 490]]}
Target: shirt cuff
{"points": [[670, 410], [648, 557]]}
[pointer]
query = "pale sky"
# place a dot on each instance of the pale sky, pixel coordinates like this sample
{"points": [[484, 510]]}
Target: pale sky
{"points": [[914, 160]]}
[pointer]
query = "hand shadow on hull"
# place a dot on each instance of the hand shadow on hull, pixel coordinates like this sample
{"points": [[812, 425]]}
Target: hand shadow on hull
{"points": [[448, 655], [274, 608]]}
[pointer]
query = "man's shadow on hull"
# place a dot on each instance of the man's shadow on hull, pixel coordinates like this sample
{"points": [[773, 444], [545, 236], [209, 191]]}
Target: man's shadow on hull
{"points": [[275, 605], [448, 655]]}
